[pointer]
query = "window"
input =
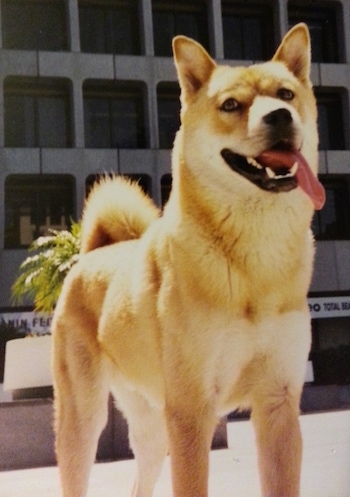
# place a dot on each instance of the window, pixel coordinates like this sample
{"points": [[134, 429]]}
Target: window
{"points": [[324, 22], [174, 18], [108, 26], [35, 203], [330, 105], [247, 30], [143, 180], [166, 183], [34, 24], [114, 115], [330, 353], [333, 221], [37, 113], [168, 96]]}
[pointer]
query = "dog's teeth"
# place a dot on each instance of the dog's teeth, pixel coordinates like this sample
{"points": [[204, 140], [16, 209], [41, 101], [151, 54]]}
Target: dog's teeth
{"points": [[270, 173], [281, 176], [254, 163], [294, 168]]}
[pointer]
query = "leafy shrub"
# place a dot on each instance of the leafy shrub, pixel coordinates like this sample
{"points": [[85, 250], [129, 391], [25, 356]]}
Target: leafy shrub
{"points": [[42, 274]]}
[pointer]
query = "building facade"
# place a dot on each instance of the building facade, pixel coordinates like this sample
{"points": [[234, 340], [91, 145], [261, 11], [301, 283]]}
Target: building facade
{"points": [[89, 87]]}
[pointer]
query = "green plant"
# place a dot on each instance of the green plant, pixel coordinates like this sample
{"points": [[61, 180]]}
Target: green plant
{"points": [[42, 274]]}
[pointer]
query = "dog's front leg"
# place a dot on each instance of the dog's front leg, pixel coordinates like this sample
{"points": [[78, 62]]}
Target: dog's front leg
{"points": [[279, 445], [190, 431]]}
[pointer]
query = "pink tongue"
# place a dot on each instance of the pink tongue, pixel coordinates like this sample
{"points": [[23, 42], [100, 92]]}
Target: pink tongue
{"points": [[277, 159]]}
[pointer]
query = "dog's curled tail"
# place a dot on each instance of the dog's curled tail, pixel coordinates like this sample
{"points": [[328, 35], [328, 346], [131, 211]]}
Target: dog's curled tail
{"points": [[116, 210]]}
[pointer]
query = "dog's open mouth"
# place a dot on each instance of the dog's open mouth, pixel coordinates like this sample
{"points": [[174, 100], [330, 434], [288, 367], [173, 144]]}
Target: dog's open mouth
{"points": [[276, 179], [278, 170]]}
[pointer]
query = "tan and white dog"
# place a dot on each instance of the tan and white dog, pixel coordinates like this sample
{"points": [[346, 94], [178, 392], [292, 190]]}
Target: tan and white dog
{"points": [[189, 315]]}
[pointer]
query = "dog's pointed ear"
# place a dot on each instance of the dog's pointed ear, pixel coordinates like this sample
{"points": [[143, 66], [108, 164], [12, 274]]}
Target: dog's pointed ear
{"points": [[295, 52], [193, 64]]}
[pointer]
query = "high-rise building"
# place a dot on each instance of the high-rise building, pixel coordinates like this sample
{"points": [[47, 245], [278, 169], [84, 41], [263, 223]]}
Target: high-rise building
{"points": [[89, 87]]}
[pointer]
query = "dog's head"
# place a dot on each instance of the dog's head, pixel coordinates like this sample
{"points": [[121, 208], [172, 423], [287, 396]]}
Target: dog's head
{"points": [[258, 121]]}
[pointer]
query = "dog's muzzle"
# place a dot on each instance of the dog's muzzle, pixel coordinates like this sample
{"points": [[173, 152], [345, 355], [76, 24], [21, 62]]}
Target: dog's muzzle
{"points": [[279, 179], [279, 169]]}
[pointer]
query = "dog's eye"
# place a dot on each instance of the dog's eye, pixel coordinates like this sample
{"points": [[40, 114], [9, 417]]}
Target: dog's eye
{"points": [[285, 94], [230, 105]]}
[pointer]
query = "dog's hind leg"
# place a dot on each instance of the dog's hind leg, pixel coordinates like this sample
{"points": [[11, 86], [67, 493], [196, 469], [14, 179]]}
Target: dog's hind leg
{"points": [[81, 400], [279, 445], [148, 439]]}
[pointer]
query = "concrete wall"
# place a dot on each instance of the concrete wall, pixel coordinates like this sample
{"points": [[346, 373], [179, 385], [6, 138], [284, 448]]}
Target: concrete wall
{"points": [[27, 437]]}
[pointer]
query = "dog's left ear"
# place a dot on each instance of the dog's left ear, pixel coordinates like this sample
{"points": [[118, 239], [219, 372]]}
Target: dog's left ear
{"points": [[295, 52], [193, 64]]}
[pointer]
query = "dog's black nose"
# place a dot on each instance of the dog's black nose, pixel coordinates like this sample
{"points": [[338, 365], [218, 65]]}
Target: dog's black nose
{"points": [[278, 118]]}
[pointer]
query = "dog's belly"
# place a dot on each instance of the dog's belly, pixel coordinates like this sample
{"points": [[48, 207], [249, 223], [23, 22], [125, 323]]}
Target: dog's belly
{"points": [[230, 359]]}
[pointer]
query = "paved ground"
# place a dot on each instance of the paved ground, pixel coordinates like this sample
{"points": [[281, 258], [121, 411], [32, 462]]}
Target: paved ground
{"points": [[326, 466]]}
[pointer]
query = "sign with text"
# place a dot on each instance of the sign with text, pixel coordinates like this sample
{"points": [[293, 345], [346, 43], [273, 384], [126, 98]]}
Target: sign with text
{"points": [[32, 323], [329, 307]]}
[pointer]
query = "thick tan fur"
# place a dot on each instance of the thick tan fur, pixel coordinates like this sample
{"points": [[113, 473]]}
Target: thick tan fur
{"points": [[101, 225], [205, 311]]}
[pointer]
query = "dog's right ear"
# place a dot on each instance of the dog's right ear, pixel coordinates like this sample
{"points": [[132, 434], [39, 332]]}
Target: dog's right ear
{"points": [[193, 64]]}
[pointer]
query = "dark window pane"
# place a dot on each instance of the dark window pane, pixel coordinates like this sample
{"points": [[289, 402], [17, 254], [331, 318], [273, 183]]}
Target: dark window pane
{"points": [[166, 183], [171, 19], [333, 221], [323, 127], [325, 29], [19, 114], [163, 32], [125, 36], [233, 39], [252, 31], [109, 27], [52, 122], [34, 204], [92, 31], [247, 30], [330, 352], [330, 119], [168, 96], [37, 113], [97, 123], [34, 25], [126, 127], [114, 116], [317, 42], [189, 24]]}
